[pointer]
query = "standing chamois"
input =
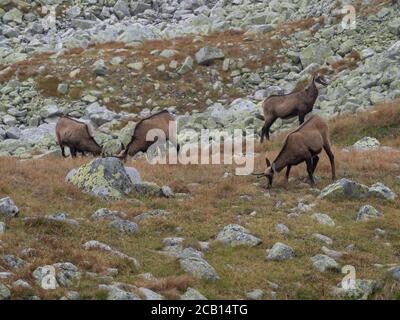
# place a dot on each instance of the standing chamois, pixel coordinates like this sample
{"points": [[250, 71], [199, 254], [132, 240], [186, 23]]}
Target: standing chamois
{"points": [[303, 144], [76, 136], [158, 121], [290, 105]]}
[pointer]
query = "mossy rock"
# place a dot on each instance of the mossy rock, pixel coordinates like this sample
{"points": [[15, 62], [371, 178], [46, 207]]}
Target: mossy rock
{"points": [[104, 178]]}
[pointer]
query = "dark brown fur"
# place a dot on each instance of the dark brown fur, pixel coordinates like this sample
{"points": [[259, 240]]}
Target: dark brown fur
{"points": [[291, 105], [303, 144], [76, 136], [160, 120]]}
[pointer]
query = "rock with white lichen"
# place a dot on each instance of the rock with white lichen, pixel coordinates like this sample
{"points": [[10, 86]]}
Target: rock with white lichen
{"points": [[104, 178]]}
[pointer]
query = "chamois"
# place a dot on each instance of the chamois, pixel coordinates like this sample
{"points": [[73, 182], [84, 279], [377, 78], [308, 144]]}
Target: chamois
{"points": [[160, 121], [303, 144], [290, 105], [76, 136]]}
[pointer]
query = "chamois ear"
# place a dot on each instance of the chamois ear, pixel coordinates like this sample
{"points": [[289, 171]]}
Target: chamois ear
{"points": [[267, 162]]}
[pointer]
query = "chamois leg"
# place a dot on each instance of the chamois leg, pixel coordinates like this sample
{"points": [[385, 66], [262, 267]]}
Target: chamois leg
{"points": [[287, 174], [331, 157], [310, 168], [63, 151], [315, 163], [73, 152], [267, 125], [301, 118]]}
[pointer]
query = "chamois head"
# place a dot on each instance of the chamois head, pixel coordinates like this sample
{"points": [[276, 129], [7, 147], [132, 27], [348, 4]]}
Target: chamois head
{"points": [[268, 173], [320, 79]]}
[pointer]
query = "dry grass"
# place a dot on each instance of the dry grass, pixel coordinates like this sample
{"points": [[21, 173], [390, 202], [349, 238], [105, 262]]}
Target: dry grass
{"points": [[349, 62], [382, 123]]}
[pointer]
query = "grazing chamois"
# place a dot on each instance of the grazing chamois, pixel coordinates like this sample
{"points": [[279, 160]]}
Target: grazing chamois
{"points": [[290, 105], [158, 121], [77, 137], [303, 144]]}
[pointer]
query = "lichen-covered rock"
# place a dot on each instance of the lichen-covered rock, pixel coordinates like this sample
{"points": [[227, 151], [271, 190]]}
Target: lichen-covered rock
{"points": [[133, 174], [394, 272], [280, 252], [344, 188], [256, 294], [323, 263], [199, 268], [4, 292], [97, 245], [366, 212], [316, 53], [148, 189], [362, 290], [66, 275], [323, 218], [192, 294], [106, 214], [207, 55], [150, 294], [151, 214], [322, 238], [379, 190], [125, 226], [282, 229], [104, 178], [118, 291], [13, 262], [8, 208], [235, 235], [366, 143], [112, 147]]}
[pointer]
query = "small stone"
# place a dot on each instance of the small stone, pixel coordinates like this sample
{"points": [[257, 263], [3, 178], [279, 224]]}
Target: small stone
{"points": [[150, 294], [256, 294], [207, 55], [366, 143], [105, 214], [4, 292], [199, 268], [21, 284], [395, 273], [8, 208], [62, 88], [192, 294], [331, 253], [125, 226], [187, 66], [363, 289], [236, 235], [282, 229], [13, 262], [136, 66], [3, 227], [366, 212], [379, 190], [323, 218], [280, 252], [323, 238], [323, 263], [344, 188]]}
